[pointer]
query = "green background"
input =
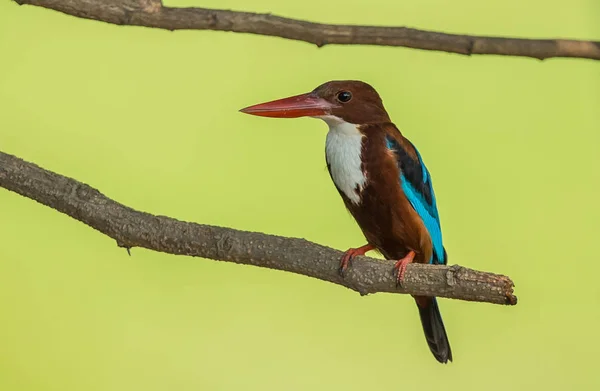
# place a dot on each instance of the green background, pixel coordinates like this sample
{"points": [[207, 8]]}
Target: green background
{"points": [[150, 118]]}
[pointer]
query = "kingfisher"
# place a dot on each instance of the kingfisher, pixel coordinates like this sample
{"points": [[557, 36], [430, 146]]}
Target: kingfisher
{"points": [[383, 182]]}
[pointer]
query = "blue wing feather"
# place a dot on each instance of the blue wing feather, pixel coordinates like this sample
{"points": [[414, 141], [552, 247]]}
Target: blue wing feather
{"points": [[418, 188]]}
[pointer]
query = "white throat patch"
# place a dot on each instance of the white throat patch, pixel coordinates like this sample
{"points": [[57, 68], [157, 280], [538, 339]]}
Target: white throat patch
{"points": [[343, 150]]}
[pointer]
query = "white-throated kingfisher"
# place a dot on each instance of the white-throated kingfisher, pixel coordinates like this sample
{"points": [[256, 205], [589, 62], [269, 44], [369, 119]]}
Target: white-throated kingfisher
{"points": [[383, 181]]}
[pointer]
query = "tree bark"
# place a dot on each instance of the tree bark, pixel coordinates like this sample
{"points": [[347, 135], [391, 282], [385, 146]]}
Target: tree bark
{"points": [[152, 13], [132, 228]]}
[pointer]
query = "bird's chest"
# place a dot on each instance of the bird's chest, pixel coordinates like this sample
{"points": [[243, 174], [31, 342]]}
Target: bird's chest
{"points": [[343, 151]]}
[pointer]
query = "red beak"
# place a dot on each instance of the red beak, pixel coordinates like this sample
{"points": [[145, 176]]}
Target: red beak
{"points": [[305, 105]]}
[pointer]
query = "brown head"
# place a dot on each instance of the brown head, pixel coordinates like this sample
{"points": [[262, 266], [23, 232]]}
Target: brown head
{"points": [[351, 101]]}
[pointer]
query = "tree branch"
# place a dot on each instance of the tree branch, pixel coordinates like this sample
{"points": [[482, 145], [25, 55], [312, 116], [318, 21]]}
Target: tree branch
{"points": [[131, 228], [152, 13]]}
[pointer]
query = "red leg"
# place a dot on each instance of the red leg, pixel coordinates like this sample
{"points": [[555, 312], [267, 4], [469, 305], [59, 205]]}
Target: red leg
{"points": [[401, 265], [351, 253]]}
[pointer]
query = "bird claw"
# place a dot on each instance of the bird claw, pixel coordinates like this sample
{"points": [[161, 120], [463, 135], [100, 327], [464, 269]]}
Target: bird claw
{"points": [[346, 260], [398, 283], [400, 268]]}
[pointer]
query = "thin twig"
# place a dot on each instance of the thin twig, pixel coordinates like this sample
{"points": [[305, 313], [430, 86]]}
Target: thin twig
{"points": [[152, 13]]}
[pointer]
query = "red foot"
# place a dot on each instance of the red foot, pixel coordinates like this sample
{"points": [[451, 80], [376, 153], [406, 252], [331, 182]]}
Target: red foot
{"points": [[401, 265], [351, 253]]}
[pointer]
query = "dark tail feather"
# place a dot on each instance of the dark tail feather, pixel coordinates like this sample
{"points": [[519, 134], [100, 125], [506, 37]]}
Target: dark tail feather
{"points": [[435, 333]]}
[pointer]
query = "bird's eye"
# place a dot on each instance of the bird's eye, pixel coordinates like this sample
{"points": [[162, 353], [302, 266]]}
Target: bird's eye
{"points": [[344, 96]]}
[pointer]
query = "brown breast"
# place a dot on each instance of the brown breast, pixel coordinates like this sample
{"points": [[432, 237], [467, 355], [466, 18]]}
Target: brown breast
{"points": [[384, 214]]}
